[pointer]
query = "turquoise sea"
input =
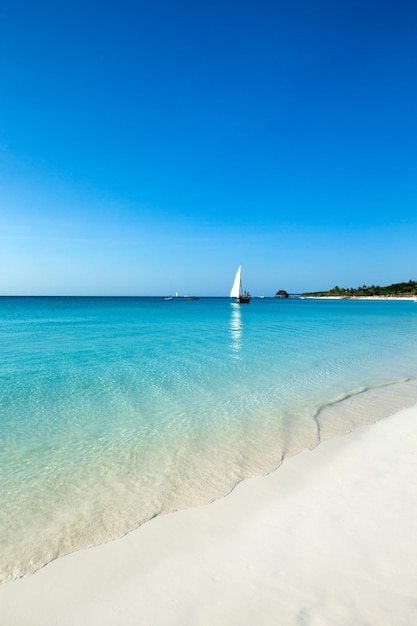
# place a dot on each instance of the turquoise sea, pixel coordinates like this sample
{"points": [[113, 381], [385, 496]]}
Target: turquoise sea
{"points": [[115, 410]]}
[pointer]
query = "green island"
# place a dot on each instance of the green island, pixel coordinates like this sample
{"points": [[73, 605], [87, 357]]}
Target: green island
{"points": [[402, 290]]}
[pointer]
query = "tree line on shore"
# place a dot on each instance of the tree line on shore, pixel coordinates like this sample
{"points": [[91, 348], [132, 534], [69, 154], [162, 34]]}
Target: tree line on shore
{"points": [[396, 289]]}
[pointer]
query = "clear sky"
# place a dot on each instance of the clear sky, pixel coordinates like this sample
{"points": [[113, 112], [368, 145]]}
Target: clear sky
{"points": [[149, 147]]}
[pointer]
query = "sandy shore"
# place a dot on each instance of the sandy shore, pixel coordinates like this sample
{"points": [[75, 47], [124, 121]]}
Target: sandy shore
{"points": [[329, 539]]}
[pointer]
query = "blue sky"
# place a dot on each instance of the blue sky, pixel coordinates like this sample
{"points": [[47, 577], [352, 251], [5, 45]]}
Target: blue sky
{"points": [[151, 147]]}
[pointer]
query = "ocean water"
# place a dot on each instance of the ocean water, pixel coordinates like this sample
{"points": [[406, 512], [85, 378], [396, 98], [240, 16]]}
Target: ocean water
{"points": [[115, 410]]}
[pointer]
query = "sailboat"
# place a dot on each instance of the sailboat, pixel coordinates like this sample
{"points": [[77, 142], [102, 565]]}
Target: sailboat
{"points": [[241, 298]]}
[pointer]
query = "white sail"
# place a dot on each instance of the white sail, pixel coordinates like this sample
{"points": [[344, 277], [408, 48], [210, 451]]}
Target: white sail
{"points": [[237, 285]]}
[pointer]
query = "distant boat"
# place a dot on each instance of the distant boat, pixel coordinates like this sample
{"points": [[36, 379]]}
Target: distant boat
{"points": [[191, 297], [241, 298], [169, 298]]}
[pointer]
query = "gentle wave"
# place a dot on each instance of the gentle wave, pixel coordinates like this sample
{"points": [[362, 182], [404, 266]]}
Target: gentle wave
{"points": [[364, 406]]}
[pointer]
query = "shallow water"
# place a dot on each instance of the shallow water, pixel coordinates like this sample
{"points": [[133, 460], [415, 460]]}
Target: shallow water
{"points": [[114, 410]]}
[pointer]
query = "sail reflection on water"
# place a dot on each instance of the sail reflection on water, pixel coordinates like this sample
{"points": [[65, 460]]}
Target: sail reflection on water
{"points": [[236, 330]]}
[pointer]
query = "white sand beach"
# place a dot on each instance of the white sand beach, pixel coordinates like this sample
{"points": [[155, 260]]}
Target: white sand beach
{"points": [[328, 539]]}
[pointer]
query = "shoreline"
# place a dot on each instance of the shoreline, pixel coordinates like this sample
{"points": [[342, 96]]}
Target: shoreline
{"points": [[391, 298], [327, 538]]}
